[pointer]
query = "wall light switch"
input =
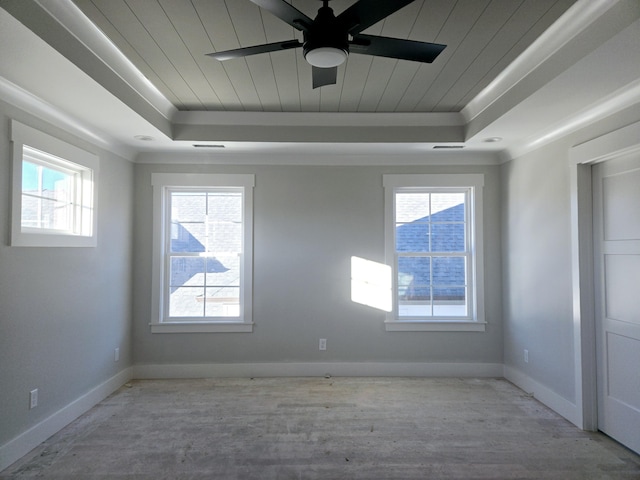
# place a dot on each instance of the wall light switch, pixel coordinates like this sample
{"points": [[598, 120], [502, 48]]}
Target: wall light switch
{"points": [[323, 344], [526, 356], [116, 354], [33, 399]]}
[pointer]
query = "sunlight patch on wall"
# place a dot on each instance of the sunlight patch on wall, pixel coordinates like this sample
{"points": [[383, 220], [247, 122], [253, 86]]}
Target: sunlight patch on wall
{"points": [[371, 283]]}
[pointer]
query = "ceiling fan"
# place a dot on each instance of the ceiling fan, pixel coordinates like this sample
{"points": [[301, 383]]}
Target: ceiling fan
{"points": [[328, 39]]}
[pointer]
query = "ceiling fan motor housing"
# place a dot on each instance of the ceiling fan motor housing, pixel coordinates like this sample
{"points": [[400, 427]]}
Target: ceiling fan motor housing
{"points": [[325, 32]]}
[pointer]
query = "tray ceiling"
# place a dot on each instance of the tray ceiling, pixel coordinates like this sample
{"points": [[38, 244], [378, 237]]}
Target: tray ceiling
{"points": [[167, 40], [516, 74]]}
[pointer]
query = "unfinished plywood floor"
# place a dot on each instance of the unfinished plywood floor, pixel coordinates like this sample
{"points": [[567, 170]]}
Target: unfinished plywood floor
{"points": [[317, 428]]}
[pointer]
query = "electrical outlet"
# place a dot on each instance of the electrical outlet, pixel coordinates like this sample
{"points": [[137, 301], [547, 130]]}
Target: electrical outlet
{"points": [[526, 356], [323, 344], [33, 399], [116, 354]]}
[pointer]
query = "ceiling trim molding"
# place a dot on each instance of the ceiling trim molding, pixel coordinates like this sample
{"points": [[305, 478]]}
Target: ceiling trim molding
{"points": [[328, 127], [65, 28], [623, 141], [574, 21], [326, 134], [611, 104], [426, 157], [319, 119], [34, 105], [69, 15]]}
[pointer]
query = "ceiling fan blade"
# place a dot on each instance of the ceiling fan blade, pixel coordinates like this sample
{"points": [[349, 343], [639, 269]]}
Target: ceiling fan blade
{"points": [[243, 52], [287, 13], [364, 13], [324, 76], [396, 48]]}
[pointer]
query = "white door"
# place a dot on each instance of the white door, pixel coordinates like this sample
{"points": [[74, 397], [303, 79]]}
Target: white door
{"points": [[616, 195]]}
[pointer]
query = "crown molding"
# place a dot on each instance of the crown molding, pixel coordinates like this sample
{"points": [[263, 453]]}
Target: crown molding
{"points": [[580, 32], [69, 15], [421, 156], [575, 20], [613, 103], [328, 127], [320, 119], [63, 26], [34, 105]]}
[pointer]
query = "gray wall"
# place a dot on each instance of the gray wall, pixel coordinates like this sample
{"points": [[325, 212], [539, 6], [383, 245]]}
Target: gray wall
{"points": [[63, 311], [308, 222], [537, 268], [536, 257]]}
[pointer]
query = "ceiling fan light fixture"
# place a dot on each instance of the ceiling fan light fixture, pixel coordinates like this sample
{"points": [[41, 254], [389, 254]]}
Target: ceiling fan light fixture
{"points": [[326, 57]]}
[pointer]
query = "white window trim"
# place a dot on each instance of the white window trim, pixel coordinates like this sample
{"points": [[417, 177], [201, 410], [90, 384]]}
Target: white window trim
{"points": [[391, 184], [88, 163], [163, 181]]}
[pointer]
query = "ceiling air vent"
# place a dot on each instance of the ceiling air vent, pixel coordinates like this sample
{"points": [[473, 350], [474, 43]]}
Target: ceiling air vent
{"points": [[448, 147], [202, 145]]}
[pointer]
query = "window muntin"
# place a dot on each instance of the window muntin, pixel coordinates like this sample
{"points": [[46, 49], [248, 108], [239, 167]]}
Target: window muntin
{"points": [[433, 234], [53, 198], [202, 253]]}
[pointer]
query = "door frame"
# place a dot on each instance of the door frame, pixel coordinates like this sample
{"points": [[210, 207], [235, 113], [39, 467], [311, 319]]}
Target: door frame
{"points": [[623, 141]]}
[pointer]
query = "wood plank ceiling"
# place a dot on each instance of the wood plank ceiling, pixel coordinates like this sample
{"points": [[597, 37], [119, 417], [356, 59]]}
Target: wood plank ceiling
{"points": [[167, 41]]}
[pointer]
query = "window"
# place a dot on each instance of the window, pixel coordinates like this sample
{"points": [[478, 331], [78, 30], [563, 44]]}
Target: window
{"points": [[202, 253], [53, 197], [433, 242]]}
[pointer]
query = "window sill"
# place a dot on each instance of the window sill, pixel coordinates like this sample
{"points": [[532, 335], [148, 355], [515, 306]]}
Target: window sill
{"points": [[441, 326], [201, 327], [37, 239]]}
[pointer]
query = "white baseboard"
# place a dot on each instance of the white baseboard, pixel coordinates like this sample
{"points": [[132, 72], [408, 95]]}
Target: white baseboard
{"points": [[13, 450], [551, 399], [335, 369]]}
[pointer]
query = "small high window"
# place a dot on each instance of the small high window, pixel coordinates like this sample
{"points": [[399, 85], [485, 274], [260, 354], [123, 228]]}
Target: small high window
{"points": [[53, 191]]}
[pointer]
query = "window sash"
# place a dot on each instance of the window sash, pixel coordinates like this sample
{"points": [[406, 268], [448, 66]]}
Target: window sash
{"points": [[169, 255], [238, 320], [400, 318], [399, 312], [431, 287]]}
